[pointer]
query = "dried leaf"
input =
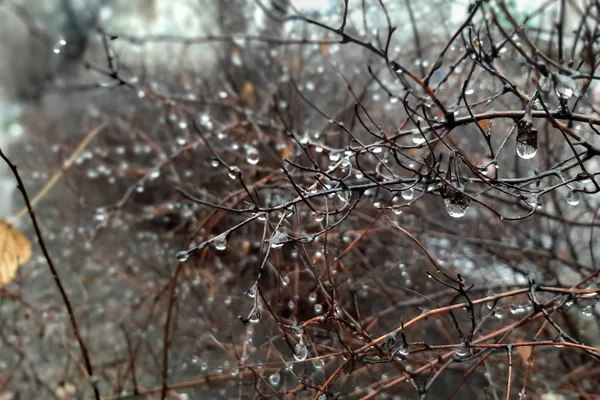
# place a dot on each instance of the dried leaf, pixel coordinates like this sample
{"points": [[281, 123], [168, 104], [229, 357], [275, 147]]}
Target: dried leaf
{"points": [[523, 351], [248, 94], [15, 250]]}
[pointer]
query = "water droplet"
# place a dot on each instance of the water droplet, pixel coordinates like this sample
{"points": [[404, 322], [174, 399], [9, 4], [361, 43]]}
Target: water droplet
{"points": [[461, 350], [318, 217], [300, 351], [403, 350], [397, 210], [318, 308], [220, 242], [252, 291], [141, 94], [565, 87], [312, 297], [344, 195], [573, 197], [456, 203], [559, 339], [182, 256], [275, 379], [252, 155], [318, 363], [277, 239], [417, 137], [408, 194], [587, 311], [234, 172], [153, 174], [254, 316], [526, 139]]}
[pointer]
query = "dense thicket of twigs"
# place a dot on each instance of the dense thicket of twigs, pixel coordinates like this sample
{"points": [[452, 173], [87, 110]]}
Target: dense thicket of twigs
{"points": [[370, 201]]}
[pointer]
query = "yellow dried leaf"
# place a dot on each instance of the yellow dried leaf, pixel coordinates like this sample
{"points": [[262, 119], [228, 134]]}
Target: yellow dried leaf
{"points": [[15, 250]]}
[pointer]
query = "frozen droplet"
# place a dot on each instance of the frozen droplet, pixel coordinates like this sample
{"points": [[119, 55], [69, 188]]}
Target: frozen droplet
{"points": [[252, 155], [573, 197], [417, 137], [300, 351], [182, 256], [275, 379], [220, 242], [408, 194]]}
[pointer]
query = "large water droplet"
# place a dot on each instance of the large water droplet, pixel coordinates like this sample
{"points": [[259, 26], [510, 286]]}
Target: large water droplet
{"points": [[526, 139], [252, 155], [461, 350], [220, 242], [456, 203], [573, 197], [565, 87], [300, 351]]}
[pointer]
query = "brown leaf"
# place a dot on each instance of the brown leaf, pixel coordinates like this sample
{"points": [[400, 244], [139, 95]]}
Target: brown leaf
{"points": [[248, 93], [15, 250], [523, 351]]}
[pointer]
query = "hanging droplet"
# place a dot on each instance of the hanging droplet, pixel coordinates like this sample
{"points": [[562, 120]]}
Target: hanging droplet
{"points": [[318, 363], [252, 155], [183, 256], [558, 340], [312, 297], [573, 197], [408, 194], [318, 217], [234, 172], [344, 195], [252, 291], [587, 311], [404, 350], [456, 202], [461, 350], [153, 174], [254, 316], [277, 239], [300, 351], [220, 242], [526, 139], [275, 378], [417, 137], [565, 86]]}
